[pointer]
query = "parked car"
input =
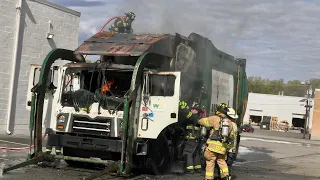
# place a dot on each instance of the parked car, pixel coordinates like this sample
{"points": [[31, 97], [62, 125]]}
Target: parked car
{"points": [[247, 128]]}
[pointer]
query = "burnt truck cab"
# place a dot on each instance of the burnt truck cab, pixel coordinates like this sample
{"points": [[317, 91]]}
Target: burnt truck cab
{"points": [[88, 123]]}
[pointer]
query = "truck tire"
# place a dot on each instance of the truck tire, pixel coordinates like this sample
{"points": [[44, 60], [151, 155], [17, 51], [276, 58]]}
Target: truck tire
{"points": [[159, 155]]}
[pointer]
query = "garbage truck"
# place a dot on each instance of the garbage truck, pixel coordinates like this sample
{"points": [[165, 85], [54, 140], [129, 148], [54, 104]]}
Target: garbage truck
{"points": [[125, 106]]}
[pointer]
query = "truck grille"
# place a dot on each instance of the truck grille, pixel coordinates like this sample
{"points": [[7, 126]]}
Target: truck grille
{"points": [[92, 126]]}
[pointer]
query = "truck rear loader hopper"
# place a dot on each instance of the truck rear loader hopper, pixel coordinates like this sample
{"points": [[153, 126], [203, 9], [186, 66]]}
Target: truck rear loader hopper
{"points": [[201, 73]]}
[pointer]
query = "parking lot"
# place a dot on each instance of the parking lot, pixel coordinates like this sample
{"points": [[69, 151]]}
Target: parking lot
{"points": [[262, 155]]}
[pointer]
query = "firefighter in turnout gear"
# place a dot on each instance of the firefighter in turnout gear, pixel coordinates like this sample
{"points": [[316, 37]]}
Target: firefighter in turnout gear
{"points": [[123, 25], [192, 137], [221, 136], [231, 114]]}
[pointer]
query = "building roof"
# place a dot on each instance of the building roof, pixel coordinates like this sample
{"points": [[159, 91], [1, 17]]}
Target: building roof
{"points": [[273, 95]]}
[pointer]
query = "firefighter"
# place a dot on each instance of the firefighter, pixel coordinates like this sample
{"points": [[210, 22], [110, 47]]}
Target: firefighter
{"points": [[192, 137], [231, 114], [221, 135], [123, 25]]}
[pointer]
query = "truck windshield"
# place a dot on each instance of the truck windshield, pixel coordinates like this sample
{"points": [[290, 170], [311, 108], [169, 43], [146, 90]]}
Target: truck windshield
{"points": [[83, 87]]}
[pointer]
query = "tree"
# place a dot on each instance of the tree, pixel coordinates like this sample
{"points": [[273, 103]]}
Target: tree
{"points": [[265, 86], [315, 83], [295, 88], [291, 88]]}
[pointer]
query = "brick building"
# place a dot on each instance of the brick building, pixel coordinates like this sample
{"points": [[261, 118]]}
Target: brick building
{"points": [[315, 131], [25, 26]]}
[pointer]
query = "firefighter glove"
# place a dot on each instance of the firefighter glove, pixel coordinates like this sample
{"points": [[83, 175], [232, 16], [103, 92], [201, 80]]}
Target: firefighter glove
{"points": [[183, 105]]}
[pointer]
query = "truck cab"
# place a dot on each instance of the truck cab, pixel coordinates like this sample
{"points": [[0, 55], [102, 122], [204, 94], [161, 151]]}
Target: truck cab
{"points": [[85, 114]]}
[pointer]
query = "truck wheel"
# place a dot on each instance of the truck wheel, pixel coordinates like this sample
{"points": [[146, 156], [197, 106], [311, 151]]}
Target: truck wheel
{"points": [[159, 155]]}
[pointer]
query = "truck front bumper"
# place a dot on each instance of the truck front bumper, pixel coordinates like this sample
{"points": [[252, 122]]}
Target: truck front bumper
{"points": [[66, 140]]}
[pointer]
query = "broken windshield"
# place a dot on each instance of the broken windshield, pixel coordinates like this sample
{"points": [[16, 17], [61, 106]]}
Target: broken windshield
{"points": [[83, 86]]}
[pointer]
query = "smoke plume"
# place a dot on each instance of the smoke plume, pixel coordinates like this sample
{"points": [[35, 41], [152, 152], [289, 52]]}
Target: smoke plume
{"points": [[185, 17]]}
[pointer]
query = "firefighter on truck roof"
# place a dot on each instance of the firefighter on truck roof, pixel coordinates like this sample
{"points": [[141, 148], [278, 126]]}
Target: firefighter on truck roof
{"points": [[123, 25], [221, 136]]}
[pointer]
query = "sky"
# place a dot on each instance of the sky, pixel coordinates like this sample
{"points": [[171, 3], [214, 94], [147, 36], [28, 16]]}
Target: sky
{"points": [[279, 38]]}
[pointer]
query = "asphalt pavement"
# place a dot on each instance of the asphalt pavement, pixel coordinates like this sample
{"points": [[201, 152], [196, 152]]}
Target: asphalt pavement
{"points": [[262, 155]]}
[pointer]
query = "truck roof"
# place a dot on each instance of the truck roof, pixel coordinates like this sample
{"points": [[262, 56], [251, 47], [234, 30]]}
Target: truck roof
{"points": [[118, 44]]}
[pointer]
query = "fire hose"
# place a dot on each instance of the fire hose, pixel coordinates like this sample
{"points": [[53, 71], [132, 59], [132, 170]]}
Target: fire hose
{"points": [[20, 148]]}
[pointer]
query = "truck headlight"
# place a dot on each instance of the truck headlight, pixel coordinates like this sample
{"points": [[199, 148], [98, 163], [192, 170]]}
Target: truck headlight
{"points": [[61, 119]]}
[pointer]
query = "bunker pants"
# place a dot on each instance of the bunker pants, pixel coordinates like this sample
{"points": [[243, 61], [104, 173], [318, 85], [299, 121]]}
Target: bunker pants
{"points": [[192, 156], [211, 157]]}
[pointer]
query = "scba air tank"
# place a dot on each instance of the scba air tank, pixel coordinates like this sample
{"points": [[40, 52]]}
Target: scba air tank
{"points": [[225, 128], [203, 131]]}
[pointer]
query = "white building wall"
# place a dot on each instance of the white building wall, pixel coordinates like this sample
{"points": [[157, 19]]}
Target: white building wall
{"points": [[33, 47], [7, 26], [275, 105]]}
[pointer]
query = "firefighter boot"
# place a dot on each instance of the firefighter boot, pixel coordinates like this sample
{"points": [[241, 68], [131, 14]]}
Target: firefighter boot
{"points": [[226, 178], [197, 169], [190, 171]]}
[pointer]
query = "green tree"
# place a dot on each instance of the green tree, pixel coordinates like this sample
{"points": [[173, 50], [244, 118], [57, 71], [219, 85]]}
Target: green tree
{"points": [[265, 86], [255, 84], [315, 83], [275, 86], [291, 88], [294, 88]]}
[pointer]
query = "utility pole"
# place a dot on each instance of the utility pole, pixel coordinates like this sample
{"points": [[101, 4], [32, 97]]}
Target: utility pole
{"points": [[308, 106]]}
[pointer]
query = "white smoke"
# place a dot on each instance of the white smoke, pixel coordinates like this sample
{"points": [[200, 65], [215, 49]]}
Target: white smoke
{"points": [[185, 17]]}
